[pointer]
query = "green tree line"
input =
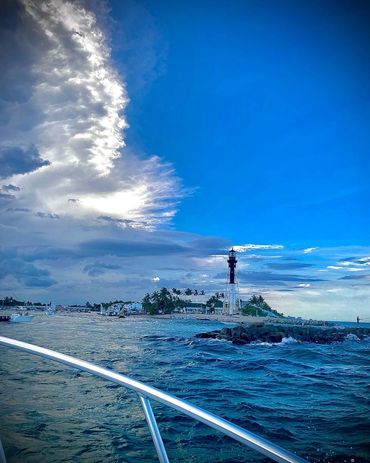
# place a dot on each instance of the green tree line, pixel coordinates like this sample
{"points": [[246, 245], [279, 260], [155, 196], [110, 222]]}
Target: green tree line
{"points": [[162, 301], [257, 306]]}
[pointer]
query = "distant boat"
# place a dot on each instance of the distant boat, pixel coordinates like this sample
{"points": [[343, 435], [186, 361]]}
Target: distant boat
{"points": [[20, 318]]}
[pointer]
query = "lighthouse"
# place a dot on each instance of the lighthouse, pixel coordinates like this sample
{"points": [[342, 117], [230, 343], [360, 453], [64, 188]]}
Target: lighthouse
{"points": [[231, 303]]}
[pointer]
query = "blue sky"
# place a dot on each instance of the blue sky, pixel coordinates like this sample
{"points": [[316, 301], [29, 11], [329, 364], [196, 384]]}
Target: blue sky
{"points": [[267, 107], [141, 139]]}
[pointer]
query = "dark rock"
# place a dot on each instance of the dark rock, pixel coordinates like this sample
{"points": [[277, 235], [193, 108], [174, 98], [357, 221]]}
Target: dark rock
{"points": [[211, 334], [242, 334]]}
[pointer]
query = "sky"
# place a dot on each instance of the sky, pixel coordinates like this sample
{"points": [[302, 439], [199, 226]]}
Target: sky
{"points": [[140, 140]]}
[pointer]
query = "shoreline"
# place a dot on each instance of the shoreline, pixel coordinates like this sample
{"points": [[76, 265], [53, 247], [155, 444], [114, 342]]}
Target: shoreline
{"points": [[224, 319], [238, 320]]}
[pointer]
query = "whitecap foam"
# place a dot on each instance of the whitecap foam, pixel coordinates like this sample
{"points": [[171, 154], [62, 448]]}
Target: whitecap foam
{"points": [[288, 340]]}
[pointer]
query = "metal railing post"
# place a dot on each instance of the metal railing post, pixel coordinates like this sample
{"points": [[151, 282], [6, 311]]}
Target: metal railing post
{"points": [[154, 430]]}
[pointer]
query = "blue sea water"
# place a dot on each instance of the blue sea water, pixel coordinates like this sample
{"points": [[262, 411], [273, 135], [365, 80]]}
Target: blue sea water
{"points": [[311, 399]]}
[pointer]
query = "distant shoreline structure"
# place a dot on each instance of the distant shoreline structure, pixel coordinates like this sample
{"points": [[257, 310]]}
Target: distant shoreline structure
{"points": [[135, 311], [226, 307], [216, 317]]}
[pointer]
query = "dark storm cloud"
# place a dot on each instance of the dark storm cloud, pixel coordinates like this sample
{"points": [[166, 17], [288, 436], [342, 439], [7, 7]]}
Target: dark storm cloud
{"points": [[288, 265], [143, 244], [148, 246], [24, 272], [122, 248], [99, 268], [39, 282], [211, 245], [17, 160], [47, 253]]}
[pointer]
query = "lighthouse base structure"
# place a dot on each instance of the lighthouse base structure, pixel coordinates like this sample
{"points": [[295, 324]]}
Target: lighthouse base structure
{"points": [[232, 302]]}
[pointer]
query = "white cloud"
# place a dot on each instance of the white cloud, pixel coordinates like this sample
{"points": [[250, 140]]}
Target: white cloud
{"points": [[248, 247], [210, 261], [304, 285], [156, 279], [78, 90], [308, 250], [79, 101], [365, 261], [346, 268]]}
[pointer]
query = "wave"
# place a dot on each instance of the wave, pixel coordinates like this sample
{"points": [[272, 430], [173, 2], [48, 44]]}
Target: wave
{"points": [[284, 390]]}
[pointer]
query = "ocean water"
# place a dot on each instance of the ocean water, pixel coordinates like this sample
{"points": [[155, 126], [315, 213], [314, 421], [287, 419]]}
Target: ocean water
{"points": [[311, 399]]}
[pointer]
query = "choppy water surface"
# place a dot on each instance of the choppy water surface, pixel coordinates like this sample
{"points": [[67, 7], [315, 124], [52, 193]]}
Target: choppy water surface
{"points": [[311, 399]]}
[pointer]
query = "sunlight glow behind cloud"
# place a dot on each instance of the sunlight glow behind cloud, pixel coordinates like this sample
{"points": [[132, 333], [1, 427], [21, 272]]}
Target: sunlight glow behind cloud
{"points": [[75, 78], [78, 132], [118, 203]]}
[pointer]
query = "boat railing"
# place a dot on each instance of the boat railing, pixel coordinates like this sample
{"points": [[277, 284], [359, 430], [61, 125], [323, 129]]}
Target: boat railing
{"points": [[147, 393]]}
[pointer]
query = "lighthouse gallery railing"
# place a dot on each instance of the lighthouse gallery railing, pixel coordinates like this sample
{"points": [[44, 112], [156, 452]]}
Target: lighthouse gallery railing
{"points": [[146, 392]]}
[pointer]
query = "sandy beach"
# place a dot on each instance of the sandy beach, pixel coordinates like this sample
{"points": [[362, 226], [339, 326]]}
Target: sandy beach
{"points": [[212, 317], [227, 319], [177, 316]]}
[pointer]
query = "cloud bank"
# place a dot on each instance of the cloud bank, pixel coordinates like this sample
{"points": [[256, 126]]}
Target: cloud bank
{"points": [[63, 137], [71, 192]]}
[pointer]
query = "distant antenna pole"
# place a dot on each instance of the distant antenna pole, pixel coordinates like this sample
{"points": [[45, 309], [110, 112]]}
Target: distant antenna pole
{"points": [[231, 303]]}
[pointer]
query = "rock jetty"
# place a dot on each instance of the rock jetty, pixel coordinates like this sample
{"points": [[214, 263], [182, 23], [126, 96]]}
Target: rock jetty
{"points": [[256, 333]]}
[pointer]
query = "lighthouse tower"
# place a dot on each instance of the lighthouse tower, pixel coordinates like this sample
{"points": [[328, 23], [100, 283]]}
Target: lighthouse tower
{"points": [[231, 303]]}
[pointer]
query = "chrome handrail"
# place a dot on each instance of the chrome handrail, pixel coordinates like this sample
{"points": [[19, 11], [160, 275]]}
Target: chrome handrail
{"points": [[146, 392]]}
